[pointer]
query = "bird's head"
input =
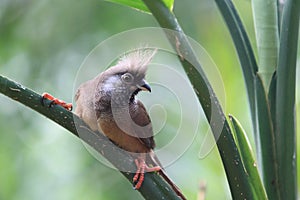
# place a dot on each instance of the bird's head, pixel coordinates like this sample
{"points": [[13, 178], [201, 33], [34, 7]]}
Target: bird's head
{"points": [[127, 78]]}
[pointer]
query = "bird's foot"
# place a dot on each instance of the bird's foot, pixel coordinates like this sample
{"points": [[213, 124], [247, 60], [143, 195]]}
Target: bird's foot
{"points": [[140, 172], [55, 101]]}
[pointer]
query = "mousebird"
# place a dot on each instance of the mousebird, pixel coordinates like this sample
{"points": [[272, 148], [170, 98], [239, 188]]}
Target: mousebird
{"points": [[108, 104]]}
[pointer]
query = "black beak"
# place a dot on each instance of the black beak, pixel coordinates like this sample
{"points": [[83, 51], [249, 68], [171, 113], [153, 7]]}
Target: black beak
{"points": [[144, 86]]}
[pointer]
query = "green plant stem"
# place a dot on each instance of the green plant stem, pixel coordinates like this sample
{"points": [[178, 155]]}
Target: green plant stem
{"points": [[246, 56], [285, 100], [267, 138], [267, 37], [240, 187], [153, 187]]}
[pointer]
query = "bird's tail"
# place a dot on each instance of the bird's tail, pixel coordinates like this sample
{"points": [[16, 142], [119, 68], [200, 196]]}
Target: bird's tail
{"points": [[162, 173]]}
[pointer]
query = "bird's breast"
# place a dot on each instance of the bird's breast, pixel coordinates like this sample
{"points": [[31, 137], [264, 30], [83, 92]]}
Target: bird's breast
{"points": [[121, 138]]}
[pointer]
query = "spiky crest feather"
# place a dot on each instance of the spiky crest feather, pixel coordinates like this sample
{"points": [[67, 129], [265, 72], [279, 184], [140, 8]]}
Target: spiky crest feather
{"points": [[137, 60]]}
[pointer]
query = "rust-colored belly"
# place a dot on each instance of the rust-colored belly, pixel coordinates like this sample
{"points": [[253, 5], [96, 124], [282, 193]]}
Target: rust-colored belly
{"points": [[123, 140]]}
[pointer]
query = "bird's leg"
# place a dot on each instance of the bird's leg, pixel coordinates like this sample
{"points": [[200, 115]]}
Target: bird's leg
{"points": [[56, 101], [140, 172]]}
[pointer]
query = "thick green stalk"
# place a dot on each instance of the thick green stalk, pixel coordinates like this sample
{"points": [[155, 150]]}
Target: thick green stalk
{"points": [[268, 153], [267, 37], [246, 56], [285, 101], [154, 186], [240, 187]]}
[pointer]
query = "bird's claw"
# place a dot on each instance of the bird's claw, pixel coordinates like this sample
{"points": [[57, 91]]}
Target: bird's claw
{"points": [[139, 176], [55, 101]]}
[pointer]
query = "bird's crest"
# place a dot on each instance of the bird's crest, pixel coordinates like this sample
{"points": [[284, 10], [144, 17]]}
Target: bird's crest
{"points": [[137, 60]]}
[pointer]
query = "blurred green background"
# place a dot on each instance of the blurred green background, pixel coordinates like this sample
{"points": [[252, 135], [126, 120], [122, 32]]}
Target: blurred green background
{"points": [[42, 45]]}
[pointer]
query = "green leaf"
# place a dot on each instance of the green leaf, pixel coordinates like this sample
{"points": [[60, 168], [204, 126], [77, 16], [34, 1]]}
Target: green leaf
{"points": [[245, 53], [250, 165], [267, 37], [267, 142], [272, 98], [285, 100], [139, 5]]}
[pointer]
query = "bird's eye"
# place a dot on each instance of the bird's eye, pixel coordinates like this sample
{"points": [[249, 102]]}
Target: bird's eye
{"points": [[127, 78]]}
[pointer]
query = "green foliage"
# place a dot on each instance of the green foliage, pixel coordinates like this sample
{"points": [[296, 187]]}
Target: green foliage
{"points": [[275, 152], [43, 43], [275, 134], [285, 127], [250, 165], [244, 50], [266, 135], [138, 4]]}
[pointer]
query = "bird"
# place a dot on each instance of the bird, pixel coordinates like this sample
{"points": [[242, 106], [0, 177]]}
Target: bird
{"points": [[108, 104]]}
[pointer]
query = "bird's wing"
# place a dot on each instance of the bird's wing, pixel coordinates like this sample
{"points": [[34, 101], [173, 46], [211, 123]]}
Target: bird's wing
{"points": [[141, 119], [84, 99]]}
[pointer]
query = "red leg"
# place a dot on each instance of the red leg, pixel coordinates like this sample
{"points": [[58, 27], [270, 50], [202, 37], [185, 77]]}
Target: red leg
{"points": [[54, 100], [141, 169], [138, 171], [139, 175]]}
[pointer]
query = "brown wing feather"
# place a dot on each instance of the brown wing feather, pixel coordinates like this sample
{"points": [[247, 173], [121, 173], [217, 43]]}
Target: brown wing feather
{"points": [[140, 116]]}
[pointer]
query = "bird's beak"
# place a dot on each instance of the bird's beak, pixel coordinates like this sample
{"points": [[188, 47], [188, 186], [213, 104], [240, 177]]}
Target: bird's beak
{"points": [[144, 86]]}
